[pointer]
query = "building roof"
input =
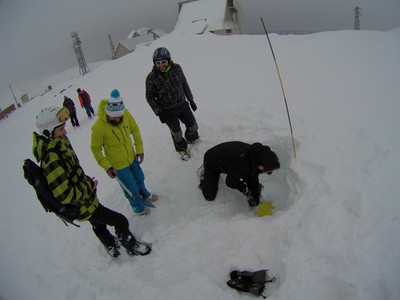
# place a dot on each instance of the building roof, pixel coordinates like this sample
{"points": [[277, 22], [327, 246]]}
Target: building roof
{"points": [[139, 32], [133, 42], [203, 15], [142, 36]]}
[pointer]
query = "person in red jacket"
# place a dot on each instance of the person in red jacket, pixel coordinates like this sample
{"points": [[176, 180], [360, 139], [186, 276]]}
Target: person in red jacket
{"points": [[84, 99]]}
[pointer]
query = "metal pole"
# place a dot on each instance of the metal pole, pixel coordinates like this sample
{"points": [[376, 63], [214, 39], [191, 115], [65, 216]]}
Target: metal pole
{"points": [[144, 202], [12, 92], [283, 91]]}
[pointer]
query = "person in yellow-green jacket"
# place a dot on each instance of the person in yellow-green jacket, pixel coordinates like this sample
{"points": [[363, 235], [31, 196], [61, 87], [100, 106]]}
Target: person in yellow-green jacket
{"points": [[112, 147], [70, 185]]}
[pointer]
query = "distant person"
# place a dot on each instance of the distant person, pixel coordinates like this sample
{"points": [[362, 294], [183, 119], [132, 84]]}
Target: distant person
{"points": [[84, 100], [242, 163], [70, 184], [70, 105], [111, 145], [166, 92]]}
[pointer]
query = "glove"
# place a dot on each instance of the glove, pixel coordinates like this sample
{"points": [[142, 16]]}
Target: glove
{"points": [[163, 118], [253, 202], [139, 158], [193, 105], [111, 172]]}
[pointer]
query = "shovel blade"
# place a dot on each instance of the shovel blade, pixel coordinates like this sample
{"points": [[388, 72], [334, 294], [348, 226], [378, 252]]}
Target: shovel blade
{"points": [[265, 209]]}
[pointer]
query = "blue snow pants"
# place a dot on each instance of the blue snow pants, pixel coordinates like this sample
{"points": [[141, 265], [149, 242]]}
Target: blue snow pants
{"points": [[133, 179]]}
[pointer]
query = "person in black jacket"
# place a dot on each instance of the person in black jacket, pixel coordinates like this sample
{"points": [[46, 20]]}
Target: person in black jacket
{"points": [[242, 163], [166, 93], [70, 105]]}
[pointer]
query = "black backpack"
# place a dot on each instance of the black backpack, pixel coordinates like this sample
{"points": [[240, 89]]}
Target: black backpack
{"points": [[250, 282], [34, 175], [69, 104]]}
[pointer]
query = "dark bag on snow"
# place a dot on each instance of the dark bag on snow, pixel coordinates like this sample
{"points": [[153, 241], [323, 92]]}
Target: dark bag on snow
{"points": [[249, 282], [34, 175]]}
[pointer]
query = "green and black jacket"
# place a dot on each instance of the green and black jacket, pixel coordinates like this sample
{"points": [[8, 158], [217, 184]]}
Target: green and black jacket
{"points": [[65, 176]]}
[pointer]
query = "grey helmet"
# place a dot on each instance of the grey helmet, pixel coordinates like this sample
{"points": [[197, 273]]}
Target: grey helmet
{"points": [[161, 54]]}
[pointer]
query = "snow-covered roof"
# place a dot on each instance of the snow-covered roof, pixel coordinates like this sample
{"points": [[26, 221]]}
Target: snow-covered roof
{"points": [[138, 32], [133, 42], [203, 15]]}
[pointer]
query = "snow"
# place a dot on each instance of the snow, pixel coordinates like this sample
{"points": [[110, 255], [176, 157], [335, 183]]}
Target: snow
{"points": [[335, 234]]}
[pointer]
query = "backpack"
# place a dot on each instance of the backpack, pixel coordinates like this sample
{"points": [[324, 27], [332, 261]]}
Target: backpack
{"points": [[35, 177], [68, 103], [250, 282]]}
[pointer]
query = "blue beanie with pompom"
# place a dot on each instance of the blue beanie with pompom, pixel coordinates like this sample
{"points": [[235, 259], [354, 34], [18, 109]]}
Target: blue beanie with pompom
{"points": [[115, 106]]}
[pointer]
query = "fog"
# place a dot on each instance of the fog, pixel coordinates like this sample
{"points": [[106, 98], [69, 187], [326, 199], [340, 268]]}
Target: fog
{"points": [[36, 35]]}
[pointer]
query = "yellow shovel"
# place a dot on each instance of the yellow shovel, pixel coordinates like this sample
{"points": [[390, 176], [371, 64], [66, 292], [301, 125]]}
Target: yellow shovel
{"points": [[265, 208]]}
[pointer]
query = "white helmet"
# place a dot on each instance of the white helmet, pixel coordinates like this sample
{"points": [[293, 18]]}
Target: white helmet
{"points": [[50, 118]]}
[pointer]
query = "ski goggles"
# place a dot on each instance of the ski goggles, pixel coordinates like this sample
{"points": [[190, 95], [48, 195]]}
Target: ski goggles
{"points": [[161, 62], [63, 115]]}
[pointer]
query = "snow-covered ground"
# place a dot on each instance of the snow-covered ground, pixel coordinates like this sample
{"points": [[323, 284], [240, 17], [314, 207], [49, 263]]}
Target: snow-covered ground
{"points": [[335, 234]]}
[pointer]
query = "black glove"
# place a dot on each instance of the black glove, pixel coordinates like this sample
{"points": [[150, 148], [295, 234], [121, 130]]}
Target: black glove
{"points": [[253, 202], [193, 105], [163, 117]]}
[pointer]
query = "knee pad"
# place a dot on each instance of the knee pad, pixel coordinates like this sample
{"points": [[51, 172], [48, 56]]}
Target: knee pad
{"points": [[178, 136], [193, 128]]}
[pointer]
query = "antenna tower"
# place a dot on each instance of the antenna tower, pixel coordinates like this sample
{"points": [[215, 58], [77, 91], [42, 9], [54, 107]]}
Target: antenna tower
{"points": [[357, 15], [112, 46], [83, 68]]}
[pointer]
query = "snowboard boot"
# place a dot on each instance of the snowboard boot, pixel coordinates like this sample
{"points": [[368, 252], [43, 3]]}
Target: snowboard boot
{"points": [[132, 246], [152, 198], [184, 155], [144, 212], [139, 249], [113, 250]]}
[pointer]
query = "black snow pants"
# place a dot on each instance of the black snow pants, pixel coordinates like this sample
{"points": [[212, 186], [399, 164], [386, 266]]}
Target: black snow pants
{"points": [[183, 114], [104, 216], [209, 184]]}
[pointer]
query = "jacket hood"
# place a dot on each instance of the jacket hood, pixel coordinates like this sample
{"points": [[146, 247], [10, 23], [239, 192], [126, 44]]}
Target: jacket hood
{"points": [[39, 146], [101, 109]]}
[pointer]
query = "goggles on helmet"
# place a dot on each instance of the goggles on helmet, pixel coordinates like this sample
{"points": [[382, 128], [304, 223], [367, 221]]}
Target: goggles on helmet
{"points": [[63, 114]]}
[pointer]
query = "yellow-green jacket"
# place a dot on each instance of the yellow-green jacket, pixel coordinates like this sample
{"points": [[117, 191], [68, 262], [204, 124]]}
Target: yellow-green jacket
{"points": [[112, 145]]}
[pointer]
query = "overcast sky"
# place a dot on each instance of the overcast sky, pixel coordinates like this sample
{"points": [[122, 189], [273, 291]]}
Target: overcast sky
{"points": [[35, 35]]}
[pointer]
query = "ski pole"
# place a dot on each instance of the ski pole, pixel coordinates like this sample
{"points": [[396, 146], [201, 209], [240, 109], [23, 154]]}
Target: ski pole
{"points": [[144, 202], [283, 91]]}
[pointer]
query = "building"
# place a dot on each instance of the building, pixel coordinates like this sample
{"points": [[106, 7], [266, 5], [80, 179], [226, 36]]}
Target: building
{"points": [[144, 36], [217, 16], [4, 113]]}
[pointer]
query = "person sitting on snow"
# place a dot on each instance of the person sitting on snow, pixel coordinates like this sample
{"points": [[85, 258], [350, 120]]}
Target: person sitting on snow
{"points": [[242, 163]]}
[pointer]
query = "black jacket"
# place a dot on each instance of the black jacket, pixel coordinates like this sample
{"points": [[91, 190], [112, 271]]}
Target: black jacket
{"points": [[169, 90], [69, 104], [236, 159]]}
